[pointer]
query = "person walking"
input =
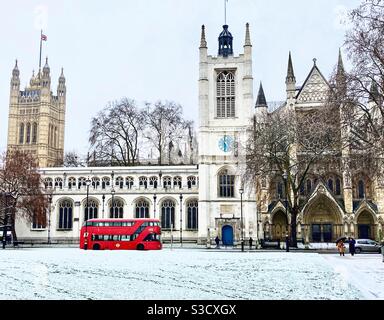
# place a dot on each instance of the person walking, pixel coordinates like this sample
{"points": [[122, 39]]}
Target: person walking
{"points": [[352, 243], [217, 240], [341, 247], [250, 243]]}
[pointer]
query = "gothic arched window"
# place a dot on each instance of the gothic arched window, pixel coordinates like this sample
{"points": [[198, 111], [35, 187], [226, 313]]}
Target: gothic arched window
{"points": [[360, 189], [129, 182], [119, 182], [225, 95], [95, 182], [168, 214], [191, 182], [116, 209], [71, 182], [192, 214], [34, 133], [226, 184], [330, 184], [309, 186], [338, 187], [65, 214], [21, 134], [28, 140], [167, 182], [142, 209], [90, 211], [177, 182], [153, 182], [59, 183], [48, 183], [143, 182], [105, 182]]}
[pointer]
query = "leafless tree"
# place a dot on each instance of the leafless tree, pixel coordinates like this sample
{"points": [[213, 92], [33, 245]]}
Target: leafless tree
{"points": [[289, 143], [21, 195], [362, 97], [165, 127], [115, 133], [72, 159]]}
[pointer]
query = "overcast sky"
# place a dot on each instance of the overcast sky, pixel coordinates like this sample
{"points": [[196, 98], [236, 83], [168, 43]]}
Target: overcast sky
{"points": [[148, 49]]}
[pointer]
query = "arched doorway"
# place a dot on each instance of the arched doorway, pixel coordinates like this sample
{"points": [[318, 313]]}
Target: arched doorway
{"points": [[227, 235], [322, 220], [279, 225], [365, 226]]}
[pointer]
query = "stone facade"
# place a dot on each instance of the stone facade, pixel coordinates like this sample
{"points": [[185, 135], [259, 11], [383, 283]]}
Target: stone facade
{"points": [[36, 118]]}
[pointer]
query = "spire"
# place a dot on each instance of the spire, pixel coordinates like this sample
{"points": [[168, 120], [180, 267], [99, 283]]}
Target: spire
{"points": [[15, 71], [46, 68], [225, 42], [340, 75], [340, 64], [203, 42], [62, 77], [261, 101], [290, 74], [247, 36]]}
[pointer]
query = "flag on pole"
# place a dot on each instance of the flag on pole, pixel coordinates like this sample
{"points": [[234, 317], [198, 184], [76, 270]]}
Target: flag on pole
{"points": [[44, 37]]}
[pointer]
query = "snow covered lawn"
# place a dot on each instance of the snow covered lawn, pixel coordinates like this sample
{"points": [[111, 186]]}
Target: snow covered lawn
{"points": [[70, 273]]}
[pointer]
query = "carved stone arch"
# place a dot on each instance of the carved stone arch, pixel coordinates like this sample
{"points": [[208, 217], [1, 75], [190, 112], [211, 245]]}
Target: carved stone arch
{"points": [[134, 201], [363, 209]]}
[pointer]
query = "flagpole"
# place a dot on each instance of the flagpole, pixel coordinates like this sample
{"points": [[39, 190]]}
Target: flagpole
{"points": [[225, 12], [41, 41]]}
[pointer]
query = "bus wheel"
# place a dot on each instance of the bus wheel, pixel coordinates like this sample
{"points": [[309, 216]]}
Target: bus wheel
{"points": [[140, 246], [96, 246]]}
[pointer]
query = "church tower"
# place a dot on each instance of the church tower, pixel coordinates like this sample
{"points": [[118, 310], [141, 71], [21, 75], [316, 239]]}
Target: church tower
{"points": [[37, 117], [226, 207]]}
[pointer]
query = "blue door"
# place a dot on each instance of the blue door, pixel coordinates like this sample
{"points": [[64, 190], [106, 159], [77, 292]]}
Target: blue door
{"points": [[227, 234]]}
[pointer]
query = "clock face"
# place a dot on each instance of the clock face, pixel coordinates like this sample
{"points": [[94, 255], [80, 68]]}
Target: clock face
{"points": [[226, 144]]}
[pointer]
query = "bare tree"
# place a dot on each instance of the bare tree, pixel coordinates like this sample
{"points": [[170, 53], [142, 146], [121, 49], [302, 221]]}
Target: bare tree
{"points": [[165, 127], [72, 159], [115, 134], [20, 188], [289, 143], [362, 97]]}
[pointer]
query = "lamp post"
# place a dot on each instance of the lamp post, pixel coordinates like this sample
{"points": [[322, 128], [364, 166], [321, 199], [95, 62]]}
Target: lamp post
{"points": [[6, 208], [285, 177], [181, 220], [112, 213], [87, 183], [49, 217], [241, 218], [103, 197], [154, 205]]}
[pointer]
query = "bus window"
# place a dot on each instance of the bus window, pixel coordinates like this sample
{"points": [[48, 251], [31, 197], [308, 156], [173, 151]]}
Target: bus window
{"points": [[125, 238]]}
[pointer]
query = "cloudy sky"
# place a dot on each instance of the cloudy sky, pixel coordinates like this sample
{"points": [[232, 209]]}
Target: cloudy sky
{"points": [[148, 49]]}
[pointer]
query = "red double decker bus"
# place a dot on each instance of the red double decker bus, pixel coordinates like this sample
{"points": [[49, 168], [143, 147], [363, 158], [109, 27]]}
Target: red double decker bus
{"points": [[121, 234]]}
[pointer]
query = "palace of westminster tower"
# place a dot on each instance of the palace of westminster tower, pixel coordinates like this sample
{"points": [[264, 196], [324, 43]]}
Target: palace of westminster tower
{"points": [[37, 117]]}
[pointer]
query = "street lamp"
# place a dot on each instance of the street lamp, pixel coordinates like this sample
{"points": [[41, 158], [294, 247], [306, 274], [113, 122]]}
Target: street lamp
{"points": [[6, 195], [285, 177], [112, 204], [154, 205], [103, 197], [181, 220], [241, 218], [87, 183], [49, 217]]}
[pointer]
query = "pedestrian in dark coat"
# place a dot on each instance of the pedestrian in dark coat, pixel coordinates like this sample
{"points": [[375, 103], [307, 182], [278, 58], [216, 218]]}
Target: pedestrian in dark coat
{"points": [[250, 243], [352, 243], [217, 240], [287, 242]]}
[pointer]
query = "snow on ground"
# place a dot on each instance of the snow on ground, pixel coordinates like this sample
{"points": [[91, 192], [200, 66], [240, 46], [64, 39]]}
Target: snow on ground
{"points": [[70, 273], [364, 271]]}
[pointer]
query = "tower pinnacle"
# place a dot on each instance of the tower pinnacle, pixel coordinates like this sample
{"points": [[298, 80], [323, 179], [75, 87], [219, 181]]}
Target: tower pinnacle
{"points": [[203, 42], [247, 36]]}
